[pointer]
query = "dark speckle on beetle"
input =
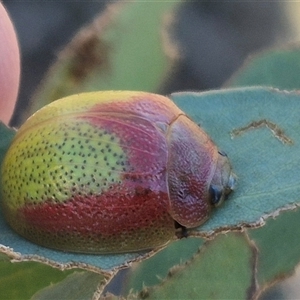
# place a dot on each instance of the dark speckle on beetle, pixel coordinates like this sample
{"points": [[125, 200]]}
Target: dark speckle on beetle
{"points": [[109, 172]]}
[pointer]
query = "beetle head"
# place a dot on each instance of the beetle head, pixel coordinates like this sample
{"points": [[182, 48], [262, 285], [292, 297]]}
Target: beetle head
{"points": [[223, 181]]}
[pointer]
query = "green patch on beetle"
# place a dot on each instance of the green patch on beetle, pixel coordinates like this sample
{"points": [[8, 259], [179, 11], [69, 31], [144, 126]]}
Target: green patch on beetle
{"points": [[111, 172]]}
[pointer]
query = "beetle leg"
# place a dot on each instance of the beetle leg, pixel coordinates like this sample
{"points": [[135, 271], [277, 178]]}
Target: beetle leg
{"points": [[216, 193], [181, 231]]}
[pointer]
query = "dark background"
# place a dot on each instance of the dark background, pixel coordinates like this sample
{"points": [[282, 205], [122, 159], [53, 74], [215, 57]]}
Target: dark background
{"points": [[216, 37]]}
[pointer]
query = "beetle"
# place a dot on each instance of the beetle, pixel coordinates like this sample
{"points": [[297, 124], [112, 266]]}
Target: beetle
{"points": [[110, 172]]}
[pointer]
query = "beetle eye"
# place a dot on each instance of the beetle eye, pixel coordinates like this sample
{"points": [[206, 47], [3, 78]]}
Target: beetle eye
{"points": [[217, 195]]}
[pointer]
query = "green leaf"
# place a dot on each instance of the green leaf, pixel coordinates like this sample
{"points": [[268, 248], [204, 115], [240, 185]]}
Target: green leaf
{"points": [[126, 48], [265, 157], [223, 269], [276, 257], [278, 243], [276, 67], [22, 280], [77, 286], [150, 272], [284, 288]]}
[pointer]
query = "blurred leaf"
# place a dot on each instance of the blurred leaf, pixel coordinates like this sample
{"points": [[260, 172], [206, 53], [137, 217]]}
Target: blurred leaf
{"points": [[22, 280], [151, 271], [284, 288], [223, 269], [126, 48], [77, 286], [4, 257], [276, 67], [279, 247]]}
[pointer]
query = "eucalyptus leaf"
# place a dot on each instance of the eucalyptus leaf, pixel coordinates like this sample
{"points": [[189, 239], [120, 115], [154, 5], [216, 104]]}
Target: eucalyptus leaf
{"points": [[151, 271], [279, 67], [275, 255], [265, 155], [22, 280], [77, 286], [223, 269], [278, 243]]}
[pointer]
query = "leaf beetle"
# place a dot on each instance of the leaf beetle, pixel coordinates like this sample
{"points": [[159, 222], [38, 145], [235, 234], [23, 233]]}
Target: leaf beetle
{"points": [[110, 172]]}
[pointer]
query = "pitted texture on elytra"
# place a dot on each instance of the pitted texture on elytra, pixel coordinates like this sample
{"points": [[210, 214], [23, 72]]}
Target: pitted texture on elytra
{"points": [[152, 107], [98, 172], [106, 223], [58, 160]]}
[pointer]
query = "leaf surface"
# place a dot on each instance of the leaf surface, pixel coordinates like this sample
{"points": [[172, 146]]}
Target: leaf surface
{"points": [[275, 248], [77, 286], [22, 280], [265, 157], [150, 272], [223, 269], [279, 245]]}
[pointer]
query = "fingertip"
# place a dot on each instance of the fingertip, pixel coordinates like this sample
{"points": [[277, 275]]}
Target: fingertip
{"points": [[9, 66]]}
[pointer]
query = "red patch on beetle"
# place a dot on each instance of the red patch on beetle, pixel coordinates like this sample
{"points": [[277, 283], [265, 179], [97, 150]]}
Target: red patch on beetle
{"points": [[106, 214], [103, 223], [130, 215]]}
